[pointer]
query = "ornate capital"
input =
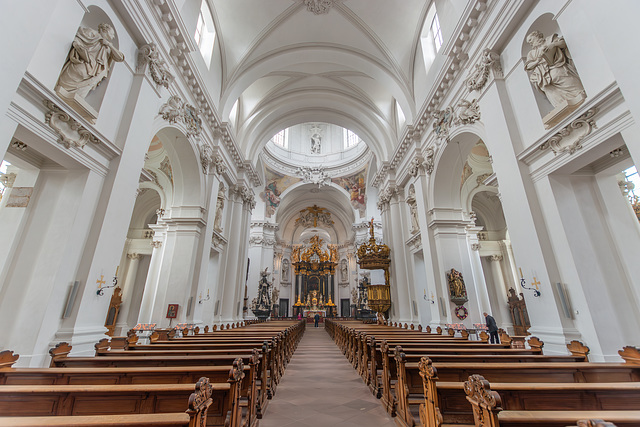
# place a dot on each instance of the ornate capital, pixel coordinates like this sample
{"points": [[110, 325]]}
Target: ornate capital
{"points": [[156, 244], [158, 69], [134, 256], [496, 258], [246, 195], [475, 246], [489, 63]]}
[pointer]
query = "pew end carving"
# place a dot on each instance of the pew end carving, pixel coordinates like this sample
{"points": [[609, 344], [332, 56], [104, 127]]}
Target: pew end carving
{"points": [[576, 348], [8, 358], [484, 337], [430, 414], [199, 403], [630, 355], [536, 343], [485, 402], [60, 351]]}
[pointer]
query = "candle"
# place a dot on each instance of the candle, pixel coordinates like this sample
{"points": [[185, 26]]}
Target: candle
{"points": [[521, 276], [117, 270]]}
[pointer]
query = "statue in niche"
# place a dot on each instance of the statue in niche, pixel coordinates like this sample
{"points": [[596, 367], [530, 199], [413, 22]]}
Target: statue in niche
{"points": [[217, 222], [91, 56], [285, 270], [316, 141], [344, 270], [457, 289], [552, 71]]}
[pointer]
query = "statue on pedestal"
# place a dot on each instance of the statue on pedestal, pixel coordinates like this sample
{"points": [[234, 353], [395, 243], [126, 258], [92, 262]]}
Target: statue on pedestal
{"points": [[262, 305]]}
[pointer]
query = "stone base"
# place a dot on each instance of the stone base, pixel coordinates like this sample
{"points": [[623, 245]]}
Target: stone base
{"points": [[563, 110], [79, 104]]}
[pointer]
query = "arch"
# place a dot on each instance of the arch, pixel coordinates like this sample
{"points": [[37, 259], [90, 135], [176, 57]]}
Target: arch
{"points": [[188, 180], [294, 109], [331, 54], [331, 197], [444, 186]]}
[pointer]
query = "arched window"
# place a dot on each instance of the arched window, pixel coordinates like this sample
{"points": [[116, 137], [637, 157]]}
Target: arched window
{"points": [[205, 34], [431, 37]]}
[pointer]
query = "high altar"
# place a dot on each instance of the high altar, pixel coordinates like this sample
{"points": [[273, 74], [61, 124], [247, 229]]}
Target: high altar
{"points": [[315, 269]]}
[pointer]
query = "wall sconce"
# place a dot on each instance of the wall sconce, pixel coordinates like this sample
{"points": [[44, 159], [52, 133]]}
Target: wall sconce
{"points": [[534, 288], [101, 282], [200, 299], [431, 300]]}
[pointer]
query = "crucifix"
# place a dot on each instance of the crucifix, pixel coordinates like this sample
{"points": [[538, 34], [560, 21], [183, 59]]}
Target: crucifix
{"points": [[101, 282], [535, 283]]}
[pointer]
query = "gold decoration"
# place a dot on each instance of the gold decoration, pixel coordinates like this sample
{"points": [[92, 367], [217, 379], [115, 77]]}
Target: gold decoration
{"points": [[312, 214], [374, 256]]}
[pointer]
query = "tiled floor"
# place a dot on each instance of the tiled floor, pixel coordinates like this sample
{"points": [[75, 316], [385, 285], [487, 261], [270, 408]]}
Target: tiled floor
{"points": [[320, 388]]}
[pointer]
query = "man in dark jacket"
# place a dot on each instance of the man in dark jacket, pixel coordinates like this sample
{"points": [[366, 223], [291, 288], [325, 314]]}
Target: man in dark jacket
{"points": [[316, 319], [492, 327]]}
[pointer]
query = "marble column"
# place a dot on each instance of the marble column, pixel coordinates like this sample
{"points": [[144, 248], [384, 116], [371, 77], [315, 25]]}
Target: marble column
{"points": [[501, 289], [151, 284]]}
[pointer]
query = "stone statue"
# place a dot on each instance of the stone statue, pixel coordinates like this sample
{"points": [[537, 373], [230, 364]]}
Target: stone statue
{"points": [[354, 296], [285, 270], [344, 270], [316, 140], [217, 222], [413, 209], [89, 61], [552, 71]]}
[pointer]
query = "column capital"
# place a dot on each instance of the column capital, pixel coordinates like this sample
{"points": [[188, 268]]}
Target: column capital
{"points": [[496, 258], [134, 256]]}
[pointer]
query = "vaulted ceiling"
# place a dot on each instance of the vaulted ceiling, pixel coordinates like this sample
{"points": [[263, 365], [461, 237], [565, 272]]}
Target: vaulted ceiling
{"points": [[288, 65]]}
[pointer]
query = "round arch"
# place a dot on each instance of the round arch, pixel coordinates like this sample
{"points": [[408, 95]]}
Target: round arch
{"points": [[343, 57]]}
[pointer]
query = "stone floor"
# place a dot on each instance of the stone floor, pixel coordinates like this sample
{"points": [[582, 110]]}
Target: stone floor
{"points": [[320, 388]]}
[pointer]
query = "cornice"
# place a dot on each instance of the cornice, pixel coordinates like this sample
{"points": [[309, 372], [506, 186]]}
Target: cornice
{"points": [[168, 18], [456, 50]]}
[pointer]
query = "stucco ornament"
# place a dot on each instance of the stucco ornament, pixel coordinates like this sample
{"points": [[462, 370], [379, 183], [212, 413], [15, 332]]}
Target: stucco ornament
{"points": [[569, 139], [468, 113], [175, 110], [551, 71], [318, 7], [171, 110], [158, 68], [314, 175], [489, 63], [91, 56], [444, 119], [70, 132], [429, 161]]}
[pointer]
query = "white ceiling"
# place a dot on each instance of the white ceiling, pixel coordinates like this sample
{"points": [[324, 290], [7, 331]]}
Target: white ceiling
{"points": [[288, 65]]}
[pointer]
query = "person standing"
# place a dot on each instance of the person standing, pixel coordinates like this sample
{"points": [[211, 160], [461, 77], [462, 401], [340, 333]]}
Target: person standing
{"points": [[492, 326], [316, 319]]}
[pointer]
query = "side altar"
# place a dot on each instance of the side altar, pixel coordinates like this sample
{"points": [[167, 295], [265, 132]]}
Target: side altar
{"points": [[315, 269]]}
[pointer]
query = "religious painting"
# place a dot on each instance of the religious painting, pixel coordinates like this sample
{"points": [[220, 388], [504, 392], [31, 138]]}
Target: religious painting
{"points": [[276, 184], [355, 185], [172, 311]]}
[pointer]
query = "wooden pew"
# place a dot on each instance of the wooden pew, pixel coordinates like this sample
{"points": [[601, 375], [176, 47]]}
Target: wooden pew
{"points": [[620, 403], [199, 403], [443, 397]]}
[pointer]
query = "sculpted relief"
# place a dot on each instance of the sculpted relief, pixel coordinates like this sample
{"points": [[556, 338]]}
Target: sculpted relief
{"points": [[552, 72], [91, 57]]}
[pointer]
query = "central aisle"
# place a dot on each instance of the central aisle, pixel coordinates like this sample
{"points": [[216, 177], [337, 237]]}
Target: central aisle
{"points": [[320, 388]]}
